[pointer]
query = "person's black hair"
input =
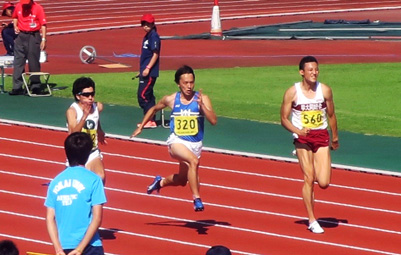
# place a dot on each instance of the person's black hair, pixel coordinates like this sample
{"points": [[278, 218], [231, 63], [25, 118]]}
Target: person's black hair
{"points": [[11, 7], [8, 247], [78, 146], [183, 70], [218, 250], [307, 59], [80, 84]]}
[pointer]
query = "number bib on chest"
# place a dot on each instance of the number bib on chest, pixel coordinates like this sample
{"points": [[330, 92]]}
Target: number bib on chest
{"points": [[185, 125], [312, 119], [92, 133]]}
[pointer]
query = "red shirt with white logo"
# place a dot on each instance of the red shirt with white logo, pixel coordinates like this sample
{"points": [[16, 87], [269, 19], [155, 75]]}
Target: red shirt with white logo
{"points": [[31, 20]]}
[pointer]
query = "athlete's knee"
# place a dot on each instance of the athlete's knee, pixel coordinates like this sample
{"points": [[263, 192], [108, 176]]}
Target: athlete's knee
{"points": [[180, 180], [193, 162], [324, 184], [323, 179], [309, 179]]}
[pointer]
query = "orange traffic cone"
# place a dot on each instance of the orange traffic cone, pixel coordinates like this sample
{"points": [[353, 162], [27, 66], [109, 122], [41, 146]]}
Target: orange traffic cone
{"points": [[216, 24]]}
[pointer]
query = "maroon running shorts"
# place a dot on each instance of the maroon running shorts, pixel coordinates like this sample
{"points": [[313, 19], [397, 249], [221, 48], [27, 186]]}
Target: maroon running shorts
{"points": [[315, 139]]}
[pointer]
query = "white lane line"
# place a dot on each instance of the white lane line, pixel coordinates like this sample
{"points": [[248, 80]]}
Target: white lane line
{"points": [[206, 203], [236, 189], [352, 247], [33, 240], [232, 188], [119, 231], [205, 167], [207, 149]]}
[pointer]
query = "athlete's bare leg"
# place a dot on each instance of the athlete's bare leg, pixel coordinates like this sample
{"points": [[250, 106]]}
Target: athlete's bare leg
{"points": [[179, 179], [188, 169], [305, 157], [315, 167], [96, 165], [322, 165]]}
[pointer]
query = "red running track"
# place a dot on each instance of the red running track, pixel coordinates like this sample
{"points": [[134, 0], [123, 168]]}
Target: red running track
{"points": [[66, 16], [253, 206], [113, 27]]}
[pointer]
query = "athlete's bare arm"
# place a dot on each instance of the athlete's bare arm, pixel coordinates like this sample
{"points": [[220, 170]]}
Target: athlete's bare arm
{"points": [[166, 101], [206, 108], [288, 99], [328, 96]]}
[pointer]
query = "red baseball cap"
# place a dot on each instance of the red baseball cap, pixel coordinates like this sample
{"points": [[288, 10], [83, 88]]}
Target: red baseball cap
{"points": [[25, 1], [148, 18], [5, 7]]}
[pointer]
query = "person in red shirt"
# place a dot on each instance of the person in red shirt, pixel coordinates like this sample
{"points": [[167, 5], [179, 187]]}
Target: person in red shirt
{"points": [[30, 26]]}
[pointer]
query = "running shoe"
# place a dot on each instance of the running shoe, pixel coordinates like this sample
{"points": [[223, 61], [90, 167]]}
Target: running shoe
{"points": [[316, 228], [155, 185], [198, 205], [149, 124]]}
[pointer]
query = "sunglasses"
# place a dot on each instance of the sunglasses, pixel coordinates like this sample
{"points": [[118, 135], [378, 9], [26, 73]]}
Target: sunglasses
{"points": [[86, 94]]}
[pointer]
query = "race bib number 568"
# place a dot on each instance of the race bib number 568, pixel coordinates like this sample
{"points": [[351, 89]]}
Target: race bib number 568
{"points": [[185, 125]]}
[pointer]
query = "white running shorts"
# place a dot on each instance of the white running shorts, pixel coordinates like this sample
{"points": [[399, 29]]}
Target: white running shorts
{"points": [[194, 147]]}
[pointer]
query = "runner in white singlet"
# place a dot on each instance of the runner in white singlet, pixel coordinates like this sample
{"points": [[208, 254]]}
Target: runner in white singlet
{"points": [[310, 106], [84, 116]]}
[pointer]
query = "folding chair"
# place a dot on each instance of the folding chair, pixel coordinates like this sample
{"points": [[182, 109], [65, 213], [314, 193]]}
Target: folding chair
{"points": [[165, 123], [26, 77], [2, 79]]}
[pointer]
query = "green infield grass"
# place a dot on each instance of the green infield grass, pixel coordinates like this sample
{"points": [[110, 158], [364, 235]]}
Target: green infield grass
{"points": [[365, 95]]}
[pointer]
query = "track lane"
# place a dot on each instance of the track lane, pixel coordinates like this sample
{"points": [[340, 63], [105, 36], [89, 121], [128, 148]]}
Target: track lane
{"points": [[65, 16], [176, 202]]}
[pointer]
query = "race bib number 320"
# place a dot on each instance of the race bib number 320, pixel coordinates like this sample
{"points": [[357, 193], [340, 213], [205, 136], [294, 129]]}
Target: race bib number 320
{"points": [[185, 125], [312, 119]]}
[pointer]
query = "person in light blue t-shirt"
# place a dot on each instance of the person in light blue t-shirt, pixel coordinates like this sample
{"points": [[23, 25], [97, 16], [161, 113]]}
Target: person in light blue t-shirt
{"points": [[75, 201]]}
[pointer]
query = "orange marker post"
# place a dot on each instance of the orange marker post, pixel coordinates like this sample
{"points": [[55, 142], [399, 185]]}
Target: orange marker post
{"points": [[216, 23]]}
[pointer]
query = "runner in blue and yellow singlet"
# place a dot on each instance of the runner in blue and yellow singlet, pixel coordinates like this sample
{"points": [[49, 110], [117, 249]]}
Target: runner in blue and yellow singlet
{"points": [[189, 109]]}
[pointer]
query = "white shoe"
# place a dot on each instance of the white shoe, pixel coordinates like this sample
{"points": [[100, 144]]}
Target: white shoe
{"points": [[316, 228]]}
